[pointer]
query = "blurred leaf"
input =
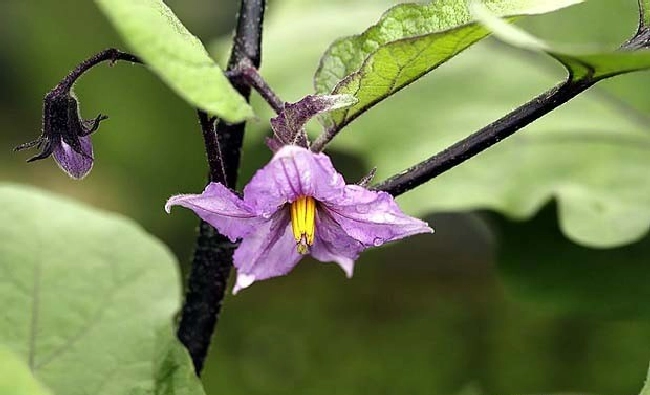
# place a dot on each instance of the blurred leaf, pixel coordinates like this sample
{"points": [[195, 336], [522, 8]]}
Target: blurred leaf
{"points": [[15, 377], [84, 293], [174, 373], [154, 32], [541, 267], [595, 65], [409, 41], [646, 386]]}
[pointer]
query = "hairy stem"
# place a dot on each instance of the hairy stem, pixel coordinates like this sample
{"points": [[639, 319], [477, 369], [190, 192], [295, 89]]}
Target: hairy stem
{"points": [[111, 54], [212, 258], [483, 138], [495, 132], [252, 77]]}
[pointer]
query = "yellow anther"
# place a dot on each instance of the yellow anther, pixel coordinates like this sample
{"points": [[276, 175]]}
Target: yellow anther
{"points": [[303, 222]]}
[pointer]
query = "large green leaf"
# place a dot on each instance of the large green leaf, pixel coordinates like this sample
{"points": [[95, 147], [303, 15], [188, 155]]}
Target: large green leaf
{"points": [[15, 377], [590, 155], [84, 294], [154, 32], [409, 41], [592, 65]]}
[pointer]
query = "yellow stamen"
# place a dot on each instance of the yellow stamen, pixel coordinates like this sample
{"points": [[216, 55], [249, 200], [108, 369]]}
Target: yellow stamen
{"points": [[303, 222]]}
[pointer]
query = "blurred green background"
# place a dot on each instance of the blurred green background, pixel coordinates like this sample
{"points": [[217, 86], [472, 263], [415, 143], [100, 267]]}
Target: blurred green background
{"points": [[486, 305]]}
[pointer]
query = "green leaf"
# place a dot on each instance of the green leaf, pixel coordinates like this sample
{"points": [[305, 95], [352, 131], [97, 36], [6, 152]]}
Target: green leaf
{"points": [[154, 32], [596, 65], [15, 377], [409, 41], [174, 374], [84, 294]]}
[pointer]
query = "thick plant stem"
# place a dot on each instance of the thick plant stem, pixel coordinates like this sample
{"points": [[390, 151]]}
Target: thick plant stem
{"points": [[251, 76], [483, 138], [212, 258]]}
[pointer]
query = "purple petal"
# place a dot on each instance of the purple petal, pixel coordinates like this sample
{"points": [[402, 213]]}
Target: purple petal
{"points": [[75, 164], [269, 251], [333, 245], [371, 217], [293, 171], [221, 208]]}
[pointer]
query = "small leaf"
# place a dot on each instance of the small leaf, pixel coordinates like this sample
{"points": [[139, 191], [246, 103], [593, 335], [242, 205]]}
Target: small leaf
{"points": [[15, 377], [595, 66], [154, 32], [409, 41], [288, 126], [84, 294]]}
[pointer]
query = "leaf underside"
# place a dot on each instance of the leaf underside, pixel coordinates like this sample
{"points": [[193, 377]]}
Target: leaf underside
{"points": [[155, 34], [597, 66]]}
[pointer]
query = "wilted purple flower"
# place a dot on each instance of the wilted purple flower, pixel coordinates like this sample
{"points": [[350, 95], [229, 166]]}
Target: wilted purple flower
{"points": [[65, 135], [298, 204]]}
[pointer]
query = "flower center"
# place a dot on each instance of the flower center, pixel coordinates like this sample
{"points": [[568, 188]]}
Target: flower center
{"points": [[303, 222]]}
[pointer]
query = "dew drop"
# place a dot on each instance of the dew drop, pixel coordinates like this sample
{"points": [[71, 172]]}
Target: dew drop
{"points": [[378, 241], [362, 209]]}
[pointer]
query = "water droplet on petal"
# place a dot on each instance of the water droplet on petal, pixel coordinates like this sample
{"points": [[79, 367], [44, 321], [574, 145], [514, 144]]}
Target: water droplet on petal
{"points": [[378, 241], [362, 209]]}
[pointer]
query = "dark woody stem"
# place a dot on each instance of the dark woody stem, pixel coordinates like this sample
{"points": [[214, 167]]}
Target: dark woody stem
{"points": [[482, 139], [495, 132], [111, 54], [212, 258], [252, 77], [212, 148]]}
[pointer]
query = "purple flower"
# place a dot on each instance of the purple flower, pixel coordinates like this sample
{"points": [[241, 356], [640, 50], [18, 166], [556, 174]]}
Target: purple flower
{"points": [[298, 204], [65, 136]]}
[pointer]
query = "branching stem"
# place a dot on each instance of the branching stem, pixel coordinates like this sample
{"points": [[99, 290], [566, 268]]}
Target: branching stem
{"points": [[251, 77]]}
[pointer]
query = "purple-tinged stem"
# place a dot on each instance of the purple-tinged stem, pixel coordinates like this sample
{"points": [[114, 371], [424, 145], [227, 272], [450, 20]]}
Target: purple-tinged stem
{"points": [[250, 76], [111, 54]]}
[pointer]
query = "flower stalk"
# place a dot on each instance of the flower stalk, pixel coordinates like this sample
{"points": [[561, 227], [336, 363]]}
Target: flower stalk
{"points": [[251, 77], [64, 134]]}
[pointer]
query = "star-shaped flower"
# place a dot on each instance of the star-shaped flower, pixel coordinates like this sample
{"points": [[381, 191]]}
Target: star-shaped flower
{"points": [[298, 204]]}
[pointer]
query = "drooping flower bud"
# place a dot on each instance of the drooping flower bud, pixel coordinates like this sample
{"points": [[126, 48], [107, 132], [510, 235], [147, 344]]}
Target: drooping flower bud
{"points": [[65, 135]]}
